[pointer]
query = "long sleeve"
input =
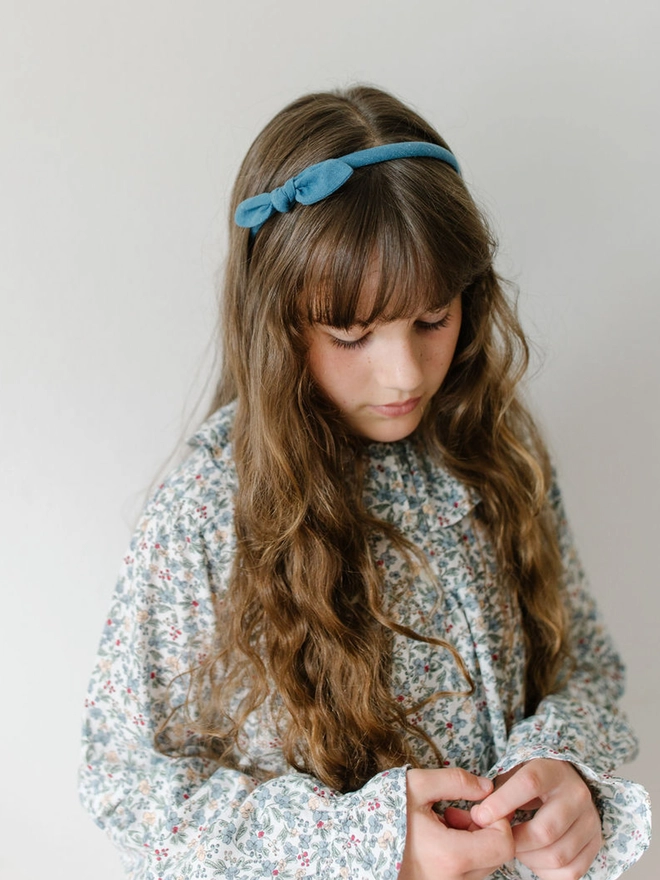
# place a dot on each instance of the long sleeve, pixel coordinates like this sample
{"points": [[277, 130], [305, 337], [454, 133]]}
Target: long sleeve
{"points": [[184, 817], [582, 723]]}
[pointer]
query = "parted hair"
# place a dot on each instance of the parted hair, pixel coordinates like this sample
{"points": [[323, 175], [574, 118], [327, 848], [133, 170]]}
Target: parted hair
{"points": [[303, 627]]}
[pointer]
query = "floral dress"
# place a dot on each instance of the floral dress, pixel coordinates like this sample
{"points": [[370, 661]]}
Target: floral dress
{"points": [[188, 817]]}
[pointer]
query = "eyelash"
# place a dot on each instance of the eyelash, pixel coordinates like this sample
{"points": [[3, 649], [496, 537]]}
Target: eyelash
{"points": [[424, 326]]}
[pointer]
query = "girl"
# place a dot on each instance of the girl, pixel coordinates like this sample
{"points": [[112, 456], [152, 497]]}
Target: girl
{"points": [[351, 637]]}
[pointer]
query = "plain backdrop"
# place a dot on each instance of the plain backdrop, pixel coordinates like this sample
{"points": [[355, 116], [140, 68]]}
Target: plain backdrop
{"points": [[121, 128]]}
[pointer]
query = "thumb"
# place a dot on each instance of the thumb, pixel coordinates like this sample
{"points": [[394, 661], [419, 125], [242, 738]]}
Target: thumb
{"points": [[429, 786]]}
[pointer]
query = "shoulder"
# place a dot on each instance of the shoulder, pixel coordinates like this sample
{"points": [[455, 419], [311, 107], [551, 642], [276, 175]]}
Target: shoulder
{"points": [[198, 494]]}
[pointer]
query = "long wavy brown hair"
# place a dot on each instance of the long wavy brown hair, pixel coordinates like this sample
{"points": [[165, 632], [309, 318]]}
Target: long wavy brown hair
{"points": [[303, 627]]}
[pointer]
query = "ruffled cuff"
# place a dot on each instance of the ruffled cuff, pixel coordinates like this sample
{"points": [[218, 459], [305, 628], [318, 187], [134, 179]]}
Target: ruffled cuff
{"points": [[359, 835]]}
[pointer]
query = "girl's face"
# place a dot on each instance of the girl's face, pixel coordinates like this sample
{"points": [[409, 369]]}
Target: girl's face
{"points": [[382, 375]]}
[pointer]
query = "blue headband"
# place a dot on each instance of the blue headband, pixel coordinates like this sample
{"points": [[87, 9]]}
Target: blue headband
{"points": [[318, 181]]}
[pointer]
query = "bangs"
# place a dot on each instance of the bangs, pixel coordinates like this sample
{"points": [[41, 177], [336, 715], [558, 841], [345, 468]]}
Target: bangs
{"points": [[376, 254]]}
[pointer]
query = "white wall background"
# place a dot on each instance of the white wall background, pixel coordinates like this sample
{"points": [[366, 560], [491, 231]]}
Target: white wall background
{"points": [[121, 127]]}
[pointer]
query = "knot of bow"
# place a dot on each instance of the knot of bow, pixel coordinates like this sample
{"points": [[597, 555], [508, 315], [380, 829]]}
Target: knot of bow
{"points": [[312, 185]]}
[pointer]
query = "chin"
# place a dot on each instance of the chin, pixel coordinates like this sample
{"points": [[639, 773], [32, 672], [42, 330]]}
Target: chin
{"points": [[388, 431]]}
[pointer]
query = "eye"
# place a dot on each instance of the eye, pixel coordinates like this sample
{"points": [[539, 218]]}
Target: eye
{"points": [[350, 343], [433, 325]]}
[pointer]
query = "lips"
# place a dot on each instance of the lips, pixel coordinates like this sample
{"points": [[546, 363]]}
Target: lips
{"points": [[393, 410]]}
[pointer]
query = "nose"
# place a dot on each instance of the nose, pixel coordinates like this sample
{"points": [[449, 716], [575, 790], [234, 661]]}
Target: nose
{"points": [[399, 365]]}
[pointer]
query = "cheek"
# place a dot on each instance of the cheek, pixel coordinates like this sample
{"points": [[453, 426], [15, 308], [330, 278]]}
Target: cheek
{"points": [[330, 371], [439, 355], [322, 364]]}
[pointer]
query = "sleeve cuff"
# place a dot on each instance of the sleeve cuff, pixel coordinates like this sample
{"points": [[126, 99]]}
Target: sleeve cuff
{"points": [[358, 835], [377, 812]]}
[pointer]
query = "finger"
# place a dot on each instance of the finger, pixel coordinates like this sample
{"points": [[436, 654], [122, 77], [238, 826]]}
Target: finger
{"points": [[459, 819], [557, 818], [454, 853], [488, 848], [429, 786], [585, 832], [523, 789], [578, 867], [550, 823]]}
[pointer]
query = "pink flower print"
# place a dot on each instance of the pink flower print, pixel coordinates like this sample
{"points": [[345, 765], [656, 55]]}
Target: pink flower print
{"points": [[161, 853]]}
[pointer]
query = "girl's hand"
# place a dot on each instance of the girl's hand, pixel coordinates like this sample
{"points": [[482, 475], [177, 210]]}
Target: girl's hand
{"points": [[436, 851], [562, 839]]}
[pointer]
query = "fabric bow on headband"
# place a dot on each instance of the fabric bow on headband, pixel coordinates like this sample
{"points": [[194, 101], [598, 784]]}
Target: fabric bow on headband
{"points": [[316, 182]]}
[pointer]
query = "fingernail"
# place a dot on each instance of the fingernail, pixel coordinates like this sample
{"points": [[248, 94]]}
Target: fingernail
{"points": [[485, 784], [483, 816]]}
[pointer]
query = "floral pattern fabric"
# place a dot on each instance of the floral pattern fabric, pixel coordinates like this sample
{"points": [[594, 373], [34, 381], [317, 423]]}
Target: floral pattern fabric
{"points": [[187, 817]]}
